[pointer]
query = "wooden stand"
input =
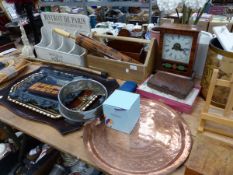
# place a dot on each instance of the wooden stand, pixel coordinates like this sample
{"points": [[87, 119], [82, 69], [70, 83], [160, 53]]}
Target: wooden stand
{"points": [[223, 117]]}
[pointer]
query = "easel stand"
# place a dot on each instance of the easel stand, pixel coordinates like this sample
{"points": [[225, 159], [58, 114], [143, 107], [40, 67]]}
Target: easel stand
{"points": [[223, 117]]}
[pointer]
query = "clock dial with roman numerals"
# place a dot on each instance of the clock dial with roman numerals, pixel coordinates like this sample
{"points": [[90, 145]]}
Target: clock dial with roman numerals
{"points": [[177, 48]]}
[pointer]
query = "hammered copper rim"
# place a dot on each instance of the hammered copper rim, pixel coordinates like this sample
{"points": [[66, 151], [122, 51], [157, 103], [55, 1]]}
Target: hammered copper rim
{"points": [[159, 143]]}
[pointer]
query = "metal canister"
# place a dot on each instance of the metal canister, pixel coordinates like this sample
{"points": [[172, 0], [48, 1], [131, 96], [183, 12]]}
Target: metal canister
{"points": [[57, 170], [217, 58], [74, 86], [155, 33]]}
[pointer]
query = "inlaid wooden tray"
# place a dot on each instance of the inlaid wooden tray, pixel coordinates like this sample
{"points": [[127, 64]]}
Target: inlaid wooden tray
{"points": [[42, 108], [159, 143]]}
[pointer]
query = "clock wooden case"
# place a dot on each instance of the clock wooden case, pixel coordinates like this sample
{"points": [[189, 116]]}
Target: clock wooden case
{"points": [[177, 48]]}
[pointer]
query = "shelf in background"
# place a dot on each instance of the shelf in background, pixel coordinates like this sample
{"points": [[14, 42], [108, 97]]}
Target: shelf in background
{"points": [[99, 3], [85, 3], [71, 3]]}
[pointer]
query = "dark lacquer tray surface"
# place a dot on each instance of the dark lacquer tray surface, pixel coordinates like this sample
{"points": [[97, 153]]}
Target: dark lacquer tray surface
{"points": [[19, 99]]}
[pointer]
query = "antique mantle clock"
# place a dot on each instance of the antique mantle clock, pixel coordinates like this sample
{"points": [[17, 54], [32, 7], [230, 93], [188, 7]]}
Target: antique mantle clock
{"points": [[177, 48], [177, 51]]}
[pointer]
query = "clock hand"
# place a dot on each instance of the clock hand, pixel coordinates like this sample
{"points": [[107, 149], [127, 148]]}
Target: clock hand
{"points": [[185, 50], [177, 47], [181, 49]]}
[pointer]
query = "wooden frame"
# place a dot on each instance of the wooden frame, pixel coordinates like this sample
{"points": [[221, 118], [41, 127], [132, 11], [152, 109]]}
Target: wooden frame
{"points": [[178, 29], [219, 116], [125, 70]]}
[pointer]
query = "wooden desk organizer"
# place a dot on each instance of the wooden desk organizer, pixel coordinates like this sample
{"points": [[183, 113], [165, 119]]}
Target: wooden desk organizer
{"points": [[125, 70], [221, 117]]}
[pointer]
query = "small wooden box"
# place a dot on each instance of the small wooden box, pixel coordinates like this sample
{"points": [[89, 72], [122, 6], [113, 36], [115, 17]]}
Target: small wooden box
{"points": [[203, 24], [125, 70], [219, 23]]}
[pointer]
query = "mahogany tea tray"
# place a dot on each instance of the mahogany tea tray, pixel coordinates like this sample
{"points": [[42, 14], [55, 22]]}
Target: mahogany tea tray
{"points": [[159, 143], [34, 96]]}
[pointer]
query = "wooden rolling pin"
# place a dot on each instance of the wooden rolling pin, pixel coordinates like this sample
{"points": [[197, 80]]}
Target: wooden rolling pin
{"points": [[96, 47], [122, 38]]}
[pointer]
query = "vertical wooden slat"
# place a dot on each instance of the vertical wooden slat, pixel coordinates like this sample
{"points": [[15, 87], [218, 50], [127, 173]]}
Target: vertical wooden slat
{"points": [[211, 90], [219, 119], [208, 99], [229, 104], [201, 127]]}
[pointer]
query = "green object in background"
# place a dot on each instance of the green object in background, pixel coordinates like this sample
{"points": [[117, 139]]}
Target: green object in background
{"points": [[180, 67], [48, 9], [167, 65]]}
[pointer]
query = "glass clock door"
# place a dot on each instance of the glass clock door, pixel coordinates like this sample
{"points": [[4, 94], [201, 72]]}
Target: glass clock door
{"points": [[177, 48]]}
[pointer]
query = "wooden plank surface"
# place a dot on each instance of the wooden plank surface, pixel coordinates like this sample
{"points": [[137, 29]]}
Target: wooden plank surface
{"points": [[210, 157], [73, 143]]}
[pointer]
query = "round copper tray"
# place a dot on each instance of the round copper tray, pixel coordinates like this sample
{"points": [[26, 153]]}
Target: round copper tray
{"points": [[159, 143]]}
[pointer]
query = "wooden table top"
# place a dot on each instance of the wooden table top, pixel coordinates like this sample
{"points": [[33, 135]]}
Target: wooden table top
{"points": [[73, 143]]}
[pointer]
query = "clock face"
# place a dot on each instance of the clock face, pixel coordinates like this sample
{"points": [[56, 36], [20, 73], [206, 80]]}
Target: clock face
{"points": [[177, 48]]}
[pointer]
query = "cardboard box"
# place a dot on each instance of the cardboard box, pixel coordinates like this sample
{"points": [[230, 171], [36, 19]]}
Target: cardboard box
{"points": [[203, 24], [214, 24], [122, 110], [125, 70], [219, 21], [166, 20]]}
